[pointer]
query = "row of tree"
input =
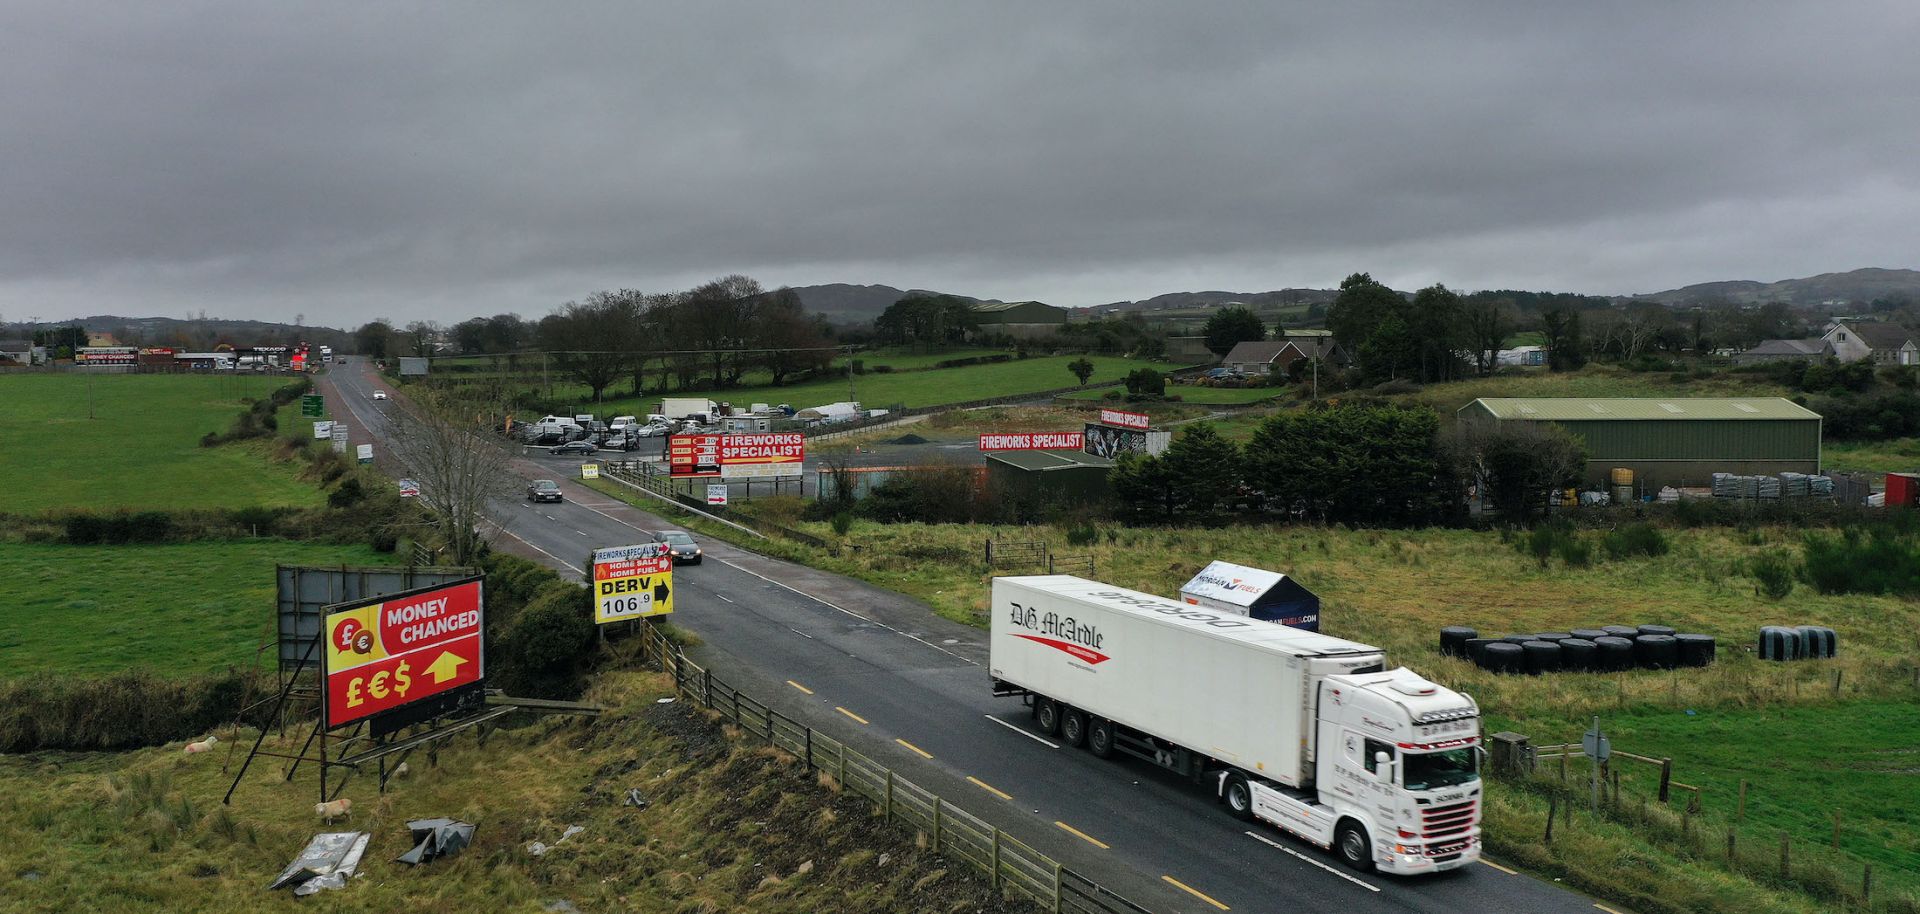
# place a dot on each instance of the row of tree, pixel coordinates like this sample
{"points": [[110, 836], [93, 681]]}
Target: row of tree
{"points": [[1371, 464]]}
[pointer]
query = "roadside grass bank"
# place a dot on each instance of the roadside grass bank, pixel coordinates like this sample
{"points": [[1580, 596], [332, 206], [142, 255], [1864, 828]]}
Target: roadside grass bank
{"points": [[1900, 455], [141, 450], [185, 608], [727, 826], [1396, 588]]}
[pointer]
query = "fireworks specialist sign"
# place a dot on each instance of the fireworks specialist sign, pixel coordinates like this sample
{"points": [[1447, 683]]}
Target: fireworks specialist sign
{"points": [[1038, 441], [402, 650], [1119, 419], [632, 582], [751, 456]]}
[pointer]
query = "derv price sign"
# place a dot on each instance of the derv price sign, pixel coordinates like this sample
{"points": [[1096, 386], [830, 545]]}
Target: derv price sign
{"points": [[390, 652], [632, 582]]}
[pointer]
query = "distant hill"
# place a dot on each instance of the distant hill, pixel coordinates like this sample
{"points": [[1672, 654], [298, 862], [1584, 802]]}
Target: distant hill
{"points": [[841, 301], [1173, 301], [1854, 287]]}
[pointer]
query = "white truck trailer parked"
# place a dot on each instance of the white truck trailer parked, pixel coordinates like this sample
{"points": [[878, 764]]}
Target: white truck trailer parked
{"points": [[688, 407], [1307, 732]]}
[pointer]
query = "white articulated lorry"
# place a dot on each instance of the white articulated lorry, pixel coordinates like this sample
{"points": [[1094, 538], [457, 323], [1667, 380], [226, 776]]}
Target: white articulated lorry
{"points": [[1297, 729]]}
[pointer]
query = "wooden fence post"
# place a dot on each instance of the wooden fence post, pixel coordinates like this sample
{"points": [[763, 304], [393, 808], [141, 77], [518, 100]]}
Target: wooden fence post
{"points": [[996, 858], [1056, 885], [936, 824], [1729, 847], [887, 804], [1740, 813], [1666, 778], [1866, 885], [1785, 853], [842, 774], [1836, 829], [808, 731], [1553, 806]]}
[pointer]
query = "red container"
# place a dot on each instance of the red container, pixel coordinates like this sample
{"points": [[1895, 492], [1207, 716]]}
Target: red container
{"points": [[1903, 489]]}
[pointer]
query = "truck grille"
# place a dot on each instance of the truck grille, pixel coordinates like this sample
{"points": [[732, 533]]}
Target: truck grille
{"points": [[1442, 821]]}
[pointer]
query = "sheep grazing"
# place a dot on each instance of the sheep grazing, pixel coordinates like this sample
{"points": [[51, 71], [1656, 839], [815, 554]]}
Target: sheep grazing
{"points": [[203, 745], [334, 810], [401, 771]]}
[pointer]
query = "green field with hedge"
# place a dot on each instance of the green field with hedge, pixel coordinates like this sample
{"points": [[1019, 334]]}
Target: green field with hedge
{"points": [[141, 447]]}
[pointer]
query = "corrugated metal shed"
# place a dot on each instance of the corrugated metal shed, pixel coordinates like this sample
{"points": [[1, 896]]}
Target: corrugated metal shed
{"points": [[1576, 409], [1674, 441], [1072, 476]]}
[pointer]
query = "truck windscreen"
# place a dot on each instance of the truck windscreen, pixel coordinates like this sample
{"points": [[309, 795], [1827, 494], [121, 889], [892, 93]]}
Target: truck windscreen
{"points": [[1431, 770]]}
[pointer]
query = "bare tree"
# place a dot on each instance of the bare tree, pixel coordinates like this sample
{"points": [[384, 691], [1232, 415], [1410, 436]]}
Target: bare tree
{"points": [[459, 468]]}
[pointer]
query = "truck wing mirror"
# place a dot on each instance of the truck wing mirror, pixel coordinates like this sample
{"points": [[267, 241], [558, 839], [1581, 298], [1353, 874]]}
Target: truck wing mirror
{"points": [[1383, 764]]}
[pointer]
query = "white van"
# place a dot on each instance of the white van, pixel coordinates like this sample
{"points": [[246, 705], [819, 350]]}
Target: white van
{"points": [[623, 423]]}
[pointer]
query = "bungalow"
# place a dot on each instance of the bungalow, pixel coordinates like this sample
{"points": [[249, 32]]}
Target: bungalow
{"points": [[1883, 342], [21, 352], [1810, 350], [1259, 357]]}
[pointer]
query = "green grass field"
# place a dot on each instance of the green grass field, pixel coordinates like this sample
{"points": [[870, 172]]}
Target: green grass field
{"points": [[1591, 381], [908, 389], [187, 608], [1204, 396], [1900, 455], [141, 449]]}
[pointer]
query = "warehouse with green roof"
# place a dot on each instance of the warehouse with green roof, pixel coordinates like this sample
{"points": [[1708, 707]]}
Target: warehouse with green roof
{"points": [[1672, 441]]}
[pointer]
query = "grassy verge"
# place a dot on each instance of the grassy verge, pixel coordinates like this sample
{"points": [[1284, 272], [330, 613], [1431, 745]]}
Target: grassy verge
{"points": [[1193, 393], [1900, 455], [141, 450], [187, 608], [727, 827]]}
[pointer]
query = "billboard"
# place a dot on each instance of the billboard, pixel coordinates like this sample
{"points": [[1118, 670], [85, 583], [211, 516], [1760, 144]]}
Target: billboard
{"points": [[106, 355], [751, 456], [1036, 441], [392, 652], [1109, 442], [632, 582], [411, 367], [1121, 419]]}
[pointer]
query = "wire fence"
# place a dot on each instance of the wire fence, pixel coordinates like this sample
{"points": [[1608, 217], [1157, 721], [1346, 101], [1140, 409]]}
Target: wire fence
{"points": [[1011, 865]]}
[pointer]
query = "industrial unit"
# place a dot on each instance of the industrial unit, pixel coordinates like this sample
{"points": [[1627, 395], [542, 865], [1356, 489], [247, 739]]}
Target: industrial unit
{"points": [[1673, 441], [1073, 476]]}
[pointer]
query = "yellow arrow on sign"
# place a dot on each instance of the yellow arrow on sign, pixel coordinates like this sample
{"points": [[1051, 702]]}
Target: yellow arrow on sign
{"points": [[446, 667]]}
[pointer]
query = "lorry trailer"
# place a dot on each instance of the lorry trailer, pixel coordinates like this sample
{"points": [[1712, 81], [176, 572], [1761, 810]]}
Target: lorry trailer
{"points": [[1306, 732]]}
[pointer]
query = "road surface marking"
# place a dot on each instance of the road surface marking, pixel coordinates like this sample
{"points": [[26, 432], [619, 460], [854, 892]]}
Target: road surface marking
{"points": [[581, 532], [800, 633], [1016, 729], [800, 687], [1606, 909], [1498, 867], [1263, 839], [914, 749], [839, 608], [983, 785], [563, 562], [1096, 842], [1196, 893], [723, 598], [850, 714]]}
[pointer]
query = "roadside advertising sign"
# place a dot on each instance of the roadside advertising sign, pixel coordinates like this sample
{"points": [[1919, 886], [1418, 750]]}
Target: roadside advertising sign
{"points": [[753, 455], [107, 355], [589, 471], [339, 431], [716, 493], [1121, 419], [1036, 441], [313, 406], [409, 489], [364, 452], [1109, 442], [387, 653], [632, 582], [322, 430]]}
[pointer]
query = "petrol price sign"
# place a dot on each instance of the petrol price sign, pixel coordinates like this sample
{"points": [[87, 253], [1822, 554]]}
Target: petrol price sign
{"points": [[632, 582], [394, 651]]}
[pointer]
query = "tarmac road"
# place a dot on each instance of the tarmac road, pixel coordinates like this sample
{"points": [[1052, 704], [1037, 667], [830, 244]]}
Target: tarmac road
{"points": [[881, 671]]}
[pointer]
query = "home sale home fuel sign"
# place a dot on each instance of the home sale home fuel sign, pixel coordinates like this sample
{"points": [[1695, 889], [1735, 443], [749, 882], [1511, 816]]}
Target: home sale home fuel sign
{"points": [[397, 650]]}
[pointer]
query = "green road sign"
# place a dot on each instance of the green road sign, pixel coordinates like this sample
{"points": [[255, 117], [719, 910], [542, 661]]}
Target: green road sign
{"points": [[313, 405]]}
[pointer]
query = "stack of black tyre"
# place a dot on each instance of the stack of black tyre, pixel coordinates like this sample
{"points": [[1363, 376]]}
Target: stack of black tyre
{"points": [[1607, 649]]}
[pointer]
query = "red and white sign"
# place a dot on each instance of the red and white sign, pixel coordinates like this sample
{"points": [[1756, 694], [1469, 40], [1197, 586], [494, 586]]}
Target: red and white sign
{"points": [[106, 355], [1124, 419], [1034, 441], [757, 454], [394, 651]]}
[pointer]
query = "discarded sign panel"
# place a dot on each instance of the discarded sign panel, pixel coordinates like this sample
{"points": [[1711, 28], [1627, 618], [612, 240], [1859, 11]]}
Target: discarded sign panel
{"points": [[331, 856], [436, 838]]}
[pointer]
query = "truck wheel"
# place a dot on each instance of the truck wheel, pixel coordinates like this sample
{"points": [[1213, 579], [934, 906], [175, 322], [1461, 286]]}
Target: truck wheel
{"points": [[1046, 715], [1100, 737], [1238, 795], [1351, 841], [1073, 727]]}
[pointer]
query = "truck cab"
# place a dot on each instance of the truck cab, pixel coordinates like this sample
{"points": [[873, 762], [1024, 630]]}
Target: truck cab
{"points": [[1397, 773]]}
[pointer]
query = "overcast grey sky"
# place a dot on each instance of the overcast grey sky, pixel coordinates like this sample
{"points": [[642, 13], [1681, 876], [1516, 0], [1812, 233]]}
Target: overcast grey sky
{"points": [[348, 160]]}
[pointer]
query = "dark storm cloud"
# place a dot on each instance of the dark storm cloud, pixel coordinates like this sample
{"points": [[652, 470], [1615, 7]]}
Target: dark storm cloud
{"points": [[439, 161]]}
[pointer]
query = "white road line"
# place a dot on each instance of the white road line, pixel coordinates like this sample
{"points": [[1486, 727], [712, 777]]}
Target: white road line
{"points": [[723, 597], [1263, 839], [581, 532], [795, 631], [563, 562], [1035, 737]]}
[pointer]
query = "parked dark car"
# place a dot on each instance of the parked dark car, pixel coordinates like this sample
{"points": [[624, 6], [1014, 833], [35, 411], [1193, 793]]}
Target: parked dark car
{"points": [[582, 446], [543, 490], [685, 550]]}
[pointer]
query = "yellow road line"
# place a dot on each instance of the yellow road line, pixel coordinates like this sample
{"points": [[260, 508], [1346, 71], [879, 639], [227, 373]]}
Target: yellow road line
{"points": [[1096, 842], [914, 749], [800, 687], [850, 714], [1498, 867], [983, 785], [1606, 909], [1195, 893]]}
